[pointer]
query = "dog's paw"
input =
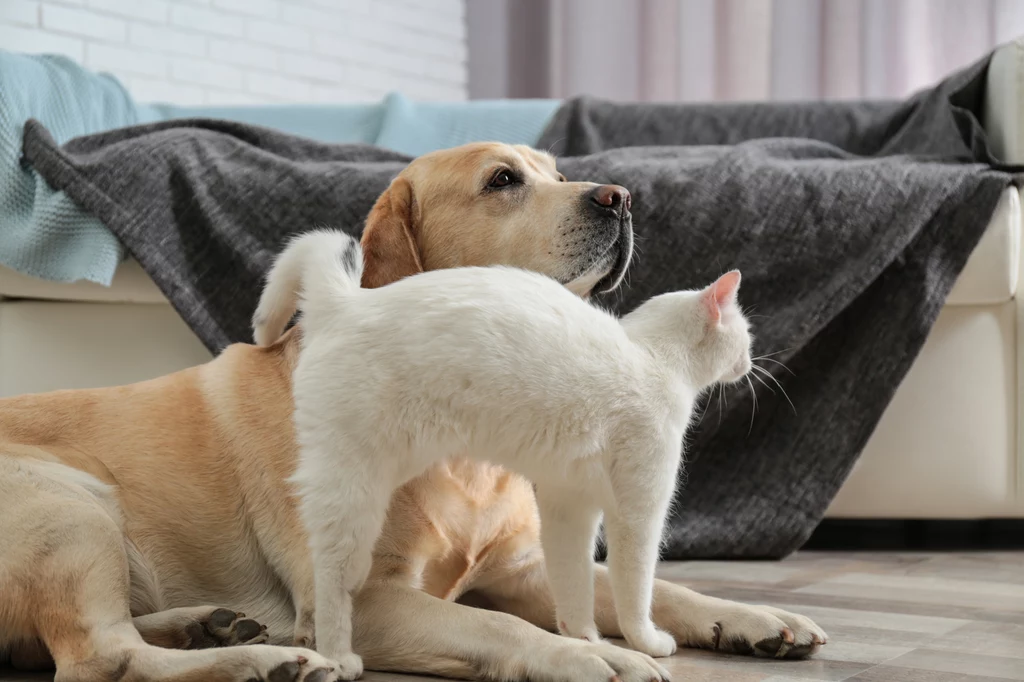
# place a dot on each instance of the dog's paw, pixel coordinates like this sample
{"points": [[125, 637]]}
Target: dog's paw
{"points": [[583, 662], [764, 631], [219, 627], [632, 666], [652, 642]]}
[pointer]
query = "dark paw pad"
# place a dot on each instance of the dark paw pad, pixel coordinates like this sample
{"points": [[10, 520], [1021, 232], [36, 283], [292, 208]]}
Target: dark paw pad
{"points": [[248, 629], [222, 618], [770, 646], [286, 672], [318, 675], [732, 645], [224, 627]]}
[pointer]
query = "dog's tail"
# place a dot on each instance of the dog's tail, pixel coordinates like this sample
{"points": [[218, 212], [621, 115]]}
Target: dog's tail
{"points": [[318, 266]]}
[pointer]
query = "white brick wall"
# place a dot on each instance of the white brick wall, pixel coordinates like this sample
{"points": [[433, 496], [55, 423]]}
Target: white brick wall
{"points": [[253, 51]]}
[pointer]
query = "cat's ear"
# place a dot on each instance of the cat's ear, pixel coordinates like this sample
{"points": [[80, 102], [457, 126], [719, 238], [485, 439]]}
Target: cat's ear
{"points": [[721, 294]]}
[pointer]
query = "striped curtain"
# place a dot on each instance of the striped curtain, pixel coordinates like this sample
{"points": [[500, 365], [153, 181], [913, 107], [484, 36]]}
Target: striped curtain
{"points": [[728, 50]]}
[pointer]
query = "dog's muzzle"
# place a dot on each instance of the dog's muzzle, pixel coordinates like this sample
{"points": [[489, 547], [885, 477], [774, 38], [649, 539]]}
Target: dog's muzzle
{"points": [[621, 251], [614, 202]]}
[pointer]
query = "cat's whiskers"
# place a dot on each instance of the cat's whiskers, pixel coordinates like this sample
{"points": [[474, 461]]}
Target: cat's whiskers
{"points": [[772, 377], [753, 408], [763, 383], [768, 355], [721, 394], [783, 366]]}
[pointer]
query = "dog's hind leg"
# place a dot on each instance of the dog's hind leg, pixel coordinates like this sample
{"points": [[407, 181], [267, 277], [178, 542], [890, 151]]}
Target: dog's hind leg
{"points": [[82, 615], [402, 629], [193, 627], [66, 584]]}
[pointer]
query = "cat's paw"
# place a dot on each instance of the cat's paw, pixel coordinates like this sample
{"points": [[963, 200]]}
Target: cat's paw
{"points": [[585, 631], [350, 667], [652, 642]]}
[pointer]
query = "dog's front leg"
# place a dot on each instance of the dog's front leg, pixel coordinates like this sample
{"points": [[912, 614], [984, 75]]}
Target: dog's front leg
{"points": [[401, 629], [695, 620], [703, 622]]}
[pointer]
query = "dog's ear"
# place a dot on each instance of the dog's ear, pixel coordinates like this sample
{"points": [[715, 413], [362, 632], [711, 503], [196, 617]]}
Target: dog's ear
{"points": [[390, 251]]}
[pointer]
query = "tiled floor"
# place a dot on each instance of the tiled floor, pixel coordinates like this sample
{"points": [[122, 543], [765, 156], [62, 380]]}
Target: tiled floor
{"points": [[889, 617]]}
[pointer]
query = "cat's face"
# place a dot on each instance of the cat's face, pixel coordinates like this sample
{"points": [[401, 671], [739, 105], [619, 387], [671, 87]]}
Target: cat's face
{"points": [[702, 334], [704, 331], [725, 349]]}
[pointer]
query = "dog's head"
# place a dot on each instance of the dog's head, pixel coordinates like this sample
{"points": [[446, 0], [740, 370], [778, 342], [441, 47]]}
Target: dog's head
{"points": [[498, 204]]}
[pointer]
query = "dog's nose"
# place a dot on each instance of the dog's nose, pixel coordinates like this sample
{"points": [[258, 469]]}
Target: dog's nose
{"points": [[614, 197]]}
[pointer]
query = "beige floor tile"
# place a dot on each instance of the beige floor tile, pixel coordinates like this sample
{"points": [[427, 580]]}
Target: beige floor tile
{"points": [[828, 617], [955, 662], [813, 669], [761, 572], [838, 649], [885, 673], [875, 636], [768, 595], [919, 596], [989, 639], [1002, 568]]}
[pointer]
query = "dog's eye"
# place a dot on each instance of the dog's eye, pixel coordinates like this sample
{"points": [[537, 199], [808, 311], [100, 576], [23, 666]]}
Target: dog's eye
{"points": [[561, 178], [502, 178]]}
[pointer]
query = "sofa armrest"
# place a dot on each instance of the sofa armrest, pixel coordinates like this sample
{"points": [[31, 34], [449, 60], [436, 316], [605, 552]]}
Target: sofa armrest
{"points": [[1003, 119], [1003, 116]]}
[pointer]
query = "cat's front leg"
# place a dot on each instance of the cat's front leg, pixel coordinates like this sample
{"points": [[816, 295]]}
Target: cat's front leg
{"points": [[643, 482], [568, 527]]}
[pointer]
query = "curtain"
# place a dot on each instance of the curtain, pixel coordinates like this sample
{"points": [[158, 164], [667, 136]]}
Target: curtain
{"points": [[728, 50]]}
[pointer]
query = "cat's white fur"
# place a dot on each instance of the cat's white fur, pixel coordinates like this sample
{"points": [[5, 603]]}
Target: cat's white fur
{"points": [[502, 361]]}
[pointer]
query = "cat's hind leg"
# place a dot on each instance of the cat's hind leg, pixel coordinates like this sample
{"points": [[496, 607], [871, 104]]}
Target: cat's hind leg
{"points": [[344, 493]]}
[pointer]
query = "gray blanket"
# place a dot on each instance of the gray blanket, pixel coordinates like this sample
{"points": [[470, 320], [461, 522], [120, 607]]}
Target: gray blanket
{"points": [[850, 223]]}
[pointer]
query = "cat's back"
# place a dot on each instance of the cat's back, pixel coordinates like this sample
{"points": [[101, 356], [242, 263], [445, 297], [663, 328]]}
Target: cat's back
{"points": [[491, 318], [488, 300]]}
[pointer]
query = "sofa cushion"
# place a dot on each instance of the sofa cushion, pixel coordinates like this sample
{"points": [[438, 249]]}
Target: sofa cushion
{"points": [[130, 285]]}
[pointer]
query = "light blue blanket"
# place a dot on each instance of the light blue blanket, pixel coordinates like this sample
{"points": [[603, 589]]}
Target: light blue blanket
{"points": [[44, 234]]}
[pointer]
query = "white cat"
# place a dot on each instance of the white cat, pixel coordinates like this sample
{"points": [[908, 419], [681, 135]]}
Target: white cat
{"points": [[494, 360]]}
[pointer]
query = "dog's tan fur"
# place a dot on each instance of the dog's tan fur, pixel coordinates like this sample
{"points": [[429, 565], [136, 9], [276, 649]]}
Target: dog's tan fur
{"points": [[126, 511]]}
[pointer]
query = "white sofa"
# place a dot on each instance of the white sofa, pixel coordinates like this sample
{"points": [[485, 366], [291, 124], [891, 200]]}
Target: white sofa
{"points": [[946, 448]]}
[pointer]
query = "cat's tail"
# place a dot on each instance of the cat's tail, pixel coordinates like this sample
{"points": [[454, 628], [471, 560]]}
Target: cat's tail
{"points": [[316, 268]]}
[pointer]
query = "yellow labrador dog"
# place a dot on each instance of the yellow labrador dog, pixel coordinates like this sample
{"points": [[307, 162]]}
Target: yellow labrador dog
{"points": [[146, 529]]}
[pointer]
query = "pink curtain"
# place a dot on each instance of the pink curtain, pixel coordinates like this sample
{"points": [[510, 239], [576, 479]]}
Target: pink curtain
{"points": [[728, 50]]}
